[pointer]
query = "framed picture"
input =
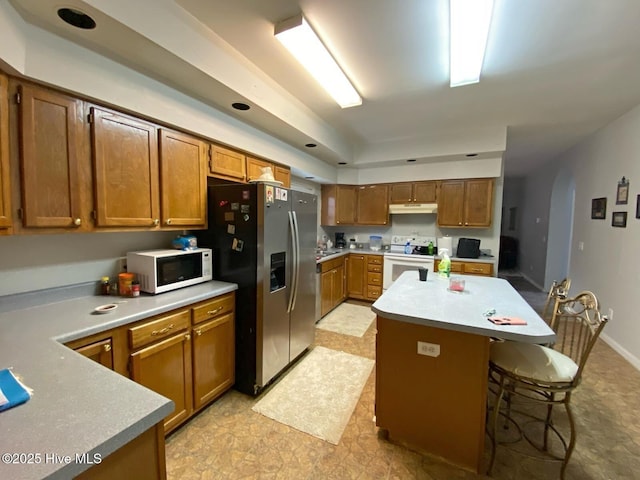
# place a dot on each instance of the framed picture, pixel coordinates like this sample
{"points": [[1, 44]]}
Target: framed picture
{"points": [[599, 208], [622, 194], [619, 219], [638, 206]]}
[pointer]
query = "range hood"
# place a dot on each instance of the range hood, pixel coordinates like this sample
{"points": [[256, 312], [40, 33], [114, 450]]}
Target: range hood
{"points": [[413, 208]]}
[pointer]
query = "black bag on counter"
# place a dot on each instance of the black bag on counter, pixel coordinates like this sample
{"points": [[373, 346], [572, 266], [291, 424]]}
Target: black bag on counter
{"points": [[468, 248]]}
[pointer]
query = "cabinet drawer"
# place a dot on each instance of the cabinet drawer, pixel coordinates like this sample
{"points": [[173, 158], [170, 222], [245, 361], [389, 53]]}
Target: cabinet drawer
{"points": [[373, 292], [331, 264], [374, 260], [154, 330], [217, 306], [478, 268], [374, 278], [374, 268], [457, 267]]}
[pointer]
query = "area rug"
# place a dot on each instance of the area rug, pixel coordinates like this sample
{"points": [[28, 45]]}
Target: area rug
{"points": [[319, 394], [348, 319]]}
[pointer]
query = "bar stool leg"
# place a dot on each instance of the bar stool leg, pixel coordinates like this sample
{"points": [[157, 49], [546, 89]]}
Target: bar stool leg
{"points": [[494, 424]]}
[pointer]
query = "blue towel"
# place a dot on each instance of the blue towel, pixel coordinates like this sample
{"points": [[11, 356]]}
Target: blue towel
{"points": [[12, 391]]}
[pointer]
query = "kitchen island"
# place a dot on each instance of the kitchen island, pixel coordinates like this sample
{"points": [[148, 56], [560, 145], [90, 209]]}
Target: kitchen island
{"points": [[81, 415], [432, 360]]}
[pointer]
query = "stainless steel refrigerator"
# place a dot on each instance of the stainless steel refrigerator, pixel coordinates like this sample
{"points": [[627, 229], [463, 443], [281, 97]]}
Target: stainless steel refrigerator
{"points": [[263, 238]]}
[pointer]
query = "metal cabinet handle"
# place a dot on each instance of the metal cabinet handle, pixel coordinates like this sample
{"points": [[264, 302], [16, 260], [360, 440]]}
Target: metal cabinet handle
{"points": [[163, 330], [198, 332], [187, 336], [156, 222], [106, 347], [77, 222], [214, 311], [168, 221]]}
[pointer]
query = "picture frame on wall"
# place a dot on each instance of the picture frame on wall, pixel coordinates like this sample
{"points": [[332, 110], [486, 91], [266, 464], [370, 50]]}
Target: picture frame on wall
{"points": [[599, 208], [619, 219], [622, 194]]}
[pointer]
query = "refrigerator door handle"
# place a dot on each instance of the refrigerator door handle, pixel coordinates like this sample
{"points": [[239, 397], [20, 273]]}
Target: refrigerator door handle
{"points": [[297, 259], [294, 270]]}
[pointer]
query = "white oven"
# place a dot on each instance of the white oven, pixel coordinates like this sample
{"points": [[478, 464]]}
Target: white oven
{"points": [[396, 261]]}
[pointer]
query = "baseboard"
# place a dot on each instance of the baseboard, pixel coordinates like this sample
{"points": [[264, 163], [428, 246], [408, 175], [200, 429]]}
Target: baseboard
{"points": [[629, 357], [532, 282]]}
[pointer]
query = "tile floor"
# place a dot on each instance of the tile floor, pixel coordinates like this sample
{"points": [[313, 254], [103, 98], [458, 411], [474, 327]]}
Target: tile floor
{"points": [[230, 441]]}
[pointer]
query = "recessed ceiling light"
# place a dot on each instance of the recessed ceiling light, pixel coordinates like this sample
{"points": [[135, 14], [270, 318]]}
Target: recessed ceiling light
{"points": [[310, 145], [411, 160], [342, 163], [240, 106], [472, 155], [76, 18]]}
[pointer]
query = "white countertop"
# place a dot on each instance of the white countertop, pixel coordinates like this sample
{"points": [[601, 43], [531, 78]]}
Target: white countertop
{"points": [[430, 303], [78, 406]]}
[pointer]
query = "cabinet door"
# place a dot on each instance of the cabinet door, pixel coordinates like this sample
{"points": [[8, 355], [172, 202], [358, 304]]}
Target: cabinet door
{"points": [[183, 180], [425, 192], [255, 166], [5, 192], [283, 175], [213, 358], [451, 203], [356, 276], [326, 289], [125, 162], [339, 284], [373, 206], [49, 132], [478, 206], [346, 201], [227, 164], [165, 368], [401, 193], [100, 352]]}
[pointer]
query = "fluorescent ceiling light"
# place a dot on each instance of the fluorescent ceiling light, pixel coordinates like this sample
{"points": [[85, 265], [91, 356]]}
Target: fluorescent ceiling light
{"points": [[470, 20], [300, 39]]}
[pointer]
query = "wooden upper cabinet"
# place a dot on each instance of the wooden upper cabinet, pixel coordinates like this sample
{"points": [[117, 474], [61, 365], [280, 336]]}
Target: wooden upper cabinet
{"points": [[338, 205], [282, 174], [255, 166], [373, 208], [465, 203], [183, 180], [413, 192], [50, 132], [125, 163], [5, 189], [227, 164]]}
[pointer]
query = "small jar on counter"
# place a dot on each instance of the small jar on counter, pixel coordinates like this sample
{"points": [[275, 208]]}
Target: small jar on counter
{"points": [[135, 288], [124, 284], [105, 286]]}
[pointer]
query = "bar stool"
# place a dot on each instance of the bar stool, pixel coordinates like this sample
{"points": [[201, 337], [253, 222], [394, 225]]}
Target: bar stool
{"points": [[544, 375], [558, 290]]}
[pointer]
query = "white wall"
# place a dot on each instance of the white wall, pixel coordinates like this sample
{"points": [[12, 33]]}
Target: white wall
{"points": [[608, 265]]}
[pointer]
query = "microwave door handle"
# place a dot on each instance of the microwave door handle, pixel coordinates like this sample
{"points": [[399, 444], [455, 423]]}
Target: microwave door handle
{"points": [[297, 259], [293, 263]]}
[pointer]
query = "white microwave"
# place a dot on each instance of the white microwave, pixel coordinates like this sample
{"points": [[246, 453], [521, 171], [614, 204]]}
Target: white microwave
{"points": [[160, 271]]}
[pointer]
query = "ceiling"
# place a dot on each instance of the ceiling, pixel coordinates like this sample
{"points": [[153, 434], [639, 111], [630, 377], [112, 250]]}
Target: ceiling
{"points": [[554, 71]]}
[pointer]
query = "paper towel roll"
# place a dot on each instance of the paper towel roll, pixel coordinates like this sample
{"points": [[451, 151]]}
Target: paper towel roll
{"points": [[445, 242]]}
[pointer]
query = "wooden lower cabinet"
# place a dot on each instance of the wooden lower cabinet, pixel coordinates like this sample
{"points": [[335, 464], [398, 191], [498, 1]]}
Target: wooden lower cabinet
{"points": [[213, 359], [100, 352], [143, 458], [165, 368], [374, 276], [364, 276], [469, 268], [332, 285]]}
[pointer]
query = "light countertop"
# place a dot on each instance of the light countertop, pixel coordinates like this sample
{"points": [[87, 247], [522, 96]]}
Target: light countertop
{"points": [[430, 303], [337, 253], [78, 406]]}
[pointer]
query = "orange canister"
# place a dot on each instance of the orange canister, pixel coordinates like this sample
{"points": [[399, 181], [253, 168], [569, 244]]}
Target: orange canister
{"points": [[124, 284]]}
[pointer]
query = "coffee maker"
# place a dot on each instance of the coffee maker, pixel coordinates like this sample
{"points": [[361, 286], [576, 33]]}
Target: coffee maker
{"points": [[340, 241]]}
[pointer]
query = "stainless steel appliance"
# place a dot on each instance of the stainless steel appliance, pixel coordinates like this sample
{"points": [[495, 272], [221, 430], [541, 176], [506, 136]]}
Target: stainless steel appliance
{"points": [[340, 241], [263, 238], [160, 271], [397, 261]]}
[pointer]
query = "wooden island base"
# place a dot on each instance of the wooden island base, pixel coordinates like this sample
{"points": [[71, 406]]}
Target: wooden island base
{"points": [[432, 404]]}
